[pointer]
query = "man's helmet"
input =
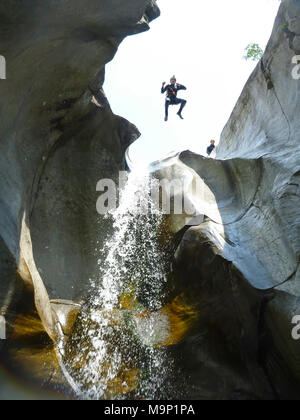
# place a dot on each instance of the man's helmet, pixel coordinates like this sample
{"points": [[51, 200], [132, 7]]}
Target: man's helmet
{"points": [[173, 78]]}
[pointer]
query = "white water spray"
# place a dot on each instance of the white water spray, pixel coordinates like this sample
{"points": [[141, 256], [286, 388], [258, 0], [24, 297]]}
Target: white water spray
{"points": [[115, 351]]}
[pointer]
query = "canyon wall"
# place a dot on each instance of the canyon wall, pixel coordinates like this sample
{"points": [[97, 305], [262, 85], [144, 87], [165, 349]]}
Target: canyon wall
{"points": [[250, 200], [58, 137]]}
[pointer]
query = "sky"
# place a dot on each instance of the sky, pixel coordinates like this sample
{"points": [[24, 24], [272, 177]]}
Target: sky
{"points": [[203, 43]]}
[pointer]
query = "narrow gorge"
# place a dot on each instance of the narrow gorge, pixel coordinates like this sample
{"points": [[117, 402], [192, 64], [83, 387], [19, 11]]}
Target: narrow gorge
{"points": [[136, 304]]}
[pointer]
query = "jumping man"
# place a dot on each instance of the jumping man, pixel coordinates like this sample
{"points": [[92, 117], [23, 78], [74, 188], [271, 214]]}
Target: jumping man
{"points": [[171, 98]]}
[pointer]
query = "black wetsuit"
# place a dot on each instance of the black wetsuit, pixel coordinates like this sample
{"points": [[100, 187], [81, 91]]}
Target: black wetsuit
{"points": [[210, 149], [172, 97]]}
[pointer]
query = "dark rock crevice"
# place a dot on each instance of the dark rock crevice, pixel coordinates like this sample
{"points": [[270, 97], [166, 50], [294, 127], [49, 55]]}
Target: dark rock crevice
{"points": [[226, 339]]}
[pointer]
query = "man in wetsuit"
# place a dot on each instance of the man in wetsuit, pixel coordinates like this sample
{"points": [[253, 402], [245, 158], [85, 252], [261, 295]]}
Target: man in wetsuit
{"points": [[211, 148], [171, 98]]}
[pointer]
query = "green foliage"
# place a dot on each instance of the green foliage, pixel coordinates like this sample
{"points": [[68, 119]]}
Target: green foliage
{"points": [[285, 26], [254, 52]]}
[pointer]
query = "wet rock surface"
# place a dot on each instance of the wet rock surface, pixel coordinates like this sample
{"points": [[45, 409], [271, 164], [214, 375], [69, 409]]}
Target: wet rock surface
{"points": [[250, 200], [58, 138], [222, 352], [235, 275]]}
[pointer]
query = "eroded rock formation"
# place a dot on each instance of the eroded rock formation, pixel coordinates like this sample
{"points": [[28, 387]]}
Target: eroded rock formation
{"points": [[58, 138], [250, 199]]}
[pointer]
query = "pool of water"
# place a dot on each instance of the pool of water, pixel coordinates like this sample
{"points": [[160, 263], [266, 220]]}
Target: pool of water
{"points": [[123, 344]]}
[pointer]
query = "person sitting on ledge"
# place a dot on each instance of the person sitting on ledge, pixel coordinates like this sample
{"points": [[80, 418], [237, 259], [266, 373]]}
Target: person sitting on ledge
{"points": [[211, 148], [171, 98]]}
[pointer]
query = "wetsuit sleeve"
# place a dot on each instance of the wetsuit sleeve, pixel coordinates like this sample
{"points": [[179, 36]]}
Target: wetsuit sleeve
{"points": [[181, 87], [164, 88]]}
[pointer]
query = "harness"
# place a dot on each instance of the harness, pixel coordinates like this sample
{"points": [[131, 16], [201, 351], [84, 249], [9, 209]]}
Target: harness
{"points": [[171, 93]]}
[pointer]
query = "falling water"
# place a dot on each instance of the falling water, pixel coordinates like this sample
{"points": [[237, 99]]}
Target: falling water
{"points": [[117, 349]]}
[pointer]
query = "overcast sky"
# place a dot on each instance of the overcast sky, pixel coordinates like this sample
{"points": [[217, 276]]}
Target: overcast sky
{"points": [[202, 42]]}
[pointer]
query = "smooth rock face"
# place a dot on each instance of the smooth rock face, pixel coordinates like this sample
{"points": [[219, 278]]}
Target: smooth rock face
{"points": [[222, 353], [250, 199], [251, 192], [265, 124], [59, 136], [66, 312], [227, 192]]}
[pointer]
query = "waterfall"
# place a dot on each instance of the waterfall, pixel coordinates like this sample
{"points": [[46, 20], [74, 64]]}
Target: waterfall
{"points": [[116, 350]]}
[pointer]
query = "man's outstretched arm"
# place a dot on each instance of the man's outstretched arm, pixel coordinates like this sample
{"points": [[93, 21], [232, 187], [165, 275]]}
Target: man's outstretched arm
{"points": [[163, 88], [180, 87]]}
